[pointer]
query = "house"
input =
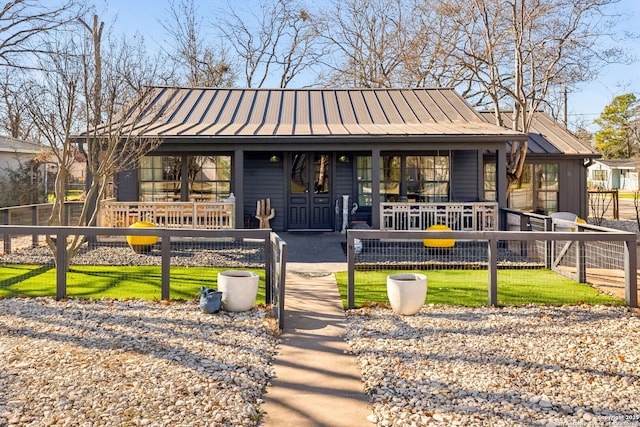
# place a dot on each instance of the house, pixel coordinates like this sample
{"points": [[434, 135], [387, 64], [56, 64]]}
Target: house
{"points": [[22, 178], [311, 151], [615, 174], [15, 153], [555, 174]]}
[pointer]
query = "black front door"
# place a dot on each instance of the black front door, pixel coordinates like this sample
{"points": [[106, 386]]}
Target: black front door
{"points": [[310, 191]]}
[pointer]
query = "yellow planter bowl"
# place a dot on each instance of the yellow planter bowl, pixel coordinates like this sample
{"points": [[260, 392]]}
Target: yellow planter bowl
{"points": [[142, 241], [439, 243]]}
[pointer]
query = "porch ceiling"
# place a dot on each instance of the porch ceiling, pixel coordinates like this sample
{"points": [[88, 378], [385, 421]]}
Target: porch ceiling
{"points": [[186, 113]]}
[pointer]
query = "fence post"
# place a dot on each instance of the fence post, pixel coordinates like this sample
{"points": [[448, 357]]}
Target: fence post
{"points": [[631, 272], [61, 265], [549, 244], [7, 237], [524, 226], [350, 271], [34, 221], [581, 269], [268, 267], [493, 271], [165, 247]]}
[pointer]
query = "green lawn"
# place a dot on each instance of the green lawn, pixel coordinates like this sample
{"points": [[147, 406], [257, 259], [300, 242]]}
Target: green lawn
{"points": [[449, 287], [111, 282], [470, 288], [626, 195]]}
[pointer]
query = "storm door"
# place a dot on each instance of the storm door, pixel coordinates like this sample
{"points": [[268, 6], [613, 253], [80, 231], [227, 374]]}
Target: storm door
{"points": [[310, 192]]}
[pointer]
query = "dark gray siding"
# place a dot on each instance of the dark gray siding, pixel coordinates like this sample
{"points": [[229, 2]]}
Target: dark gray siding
{"points": [[572, 183], [127, 186], [465, 176], [263, 179], [344, 184]]}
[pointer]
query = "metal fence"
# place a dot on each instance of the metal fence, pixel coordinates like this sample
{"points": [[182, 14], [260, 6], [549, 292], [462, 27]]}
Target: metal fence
{"points": [[182, 255], [38, 214], [587, 253]]}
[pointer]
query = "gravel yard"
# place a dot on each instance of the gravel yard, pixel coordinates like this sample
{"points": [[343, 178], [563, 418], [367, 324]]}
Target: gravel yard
{"points": [[115, 363], [541, 366], [131, 362], [146, 363]]}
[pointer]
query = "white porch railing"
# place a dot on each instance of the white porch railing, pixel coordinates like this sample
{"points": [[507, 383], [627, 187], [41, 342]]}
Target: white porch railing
{"points": [[211, 215], [476, 216]]}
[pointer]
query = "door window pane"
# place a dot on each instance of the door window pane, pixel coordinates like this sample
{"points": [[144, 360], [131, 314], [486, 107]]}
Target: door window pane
{"points": [[321, 174], [299, 176]]}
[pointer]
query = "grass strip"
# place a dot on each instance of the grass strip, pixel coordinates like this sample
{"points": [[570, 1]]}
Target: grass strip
{"points": [[470, 288], [117, 282]]}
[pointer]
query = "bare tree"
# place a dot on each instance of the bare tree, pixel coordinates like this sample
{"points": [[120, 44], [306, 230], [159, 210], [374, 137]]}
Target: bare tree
{"points": [[371, 39], [14, 117], [280, 44], [23, 22], [95, 89], [429, 60], [391, 43], [202, 64], [519, 50]]}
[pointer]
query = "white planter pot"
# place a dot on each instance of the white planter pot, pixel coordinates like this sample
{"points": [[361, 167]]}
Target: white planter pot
{"points": [[407, 292], [239, 289]]}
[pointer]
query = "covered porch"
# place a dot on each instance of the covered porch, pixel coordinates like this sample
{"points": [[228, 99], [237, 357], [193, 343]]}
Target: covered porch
{"points": [[481, 216], [310, 151]]}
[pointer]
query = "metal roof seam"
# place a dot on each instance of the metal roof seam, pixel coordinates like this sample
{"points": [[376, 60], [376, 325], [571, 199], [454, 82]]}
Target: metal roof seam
{"points": [[252, 104], [217, 118], [425, 110]]}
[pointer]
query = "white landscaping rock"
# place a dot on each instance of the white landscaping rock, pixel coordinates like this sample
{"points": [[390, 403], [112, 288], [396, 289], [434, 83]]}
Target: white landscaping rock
{"points": [[107, 362], [499, 366]]}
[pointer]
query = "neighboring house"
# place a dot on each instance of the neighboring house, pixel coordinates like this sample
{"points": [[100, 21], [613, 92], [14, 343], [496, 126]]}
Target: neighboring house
{"points": [[21, 179], [307, 148], [555, 174], [15, 153], [615, 174]]}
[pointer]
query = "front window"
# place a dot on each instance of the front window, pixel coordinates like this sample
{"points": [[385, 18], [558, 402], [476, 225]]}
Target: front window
{"points": [[427, 178], [490, 193], [363, 173], [546, 188], [410, 178], [160, 178], [536, 190], [390, 174], [208, 178]]}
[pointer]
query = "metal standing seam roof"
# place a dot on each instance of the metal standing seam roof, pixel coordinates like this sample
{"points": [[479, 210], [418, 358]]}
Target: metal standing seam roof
{"points": [[188, 112], [547, 137]]}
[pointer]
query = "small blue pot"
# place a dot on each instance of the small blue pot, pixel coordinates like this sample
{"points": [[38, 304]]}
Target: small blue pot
{"points": [[210, 300]]}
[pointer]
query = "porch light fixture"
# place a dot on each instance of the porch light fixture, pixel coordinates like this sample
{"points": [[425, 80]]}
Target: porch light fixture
{"points": [[274, 159], [344, 158]]}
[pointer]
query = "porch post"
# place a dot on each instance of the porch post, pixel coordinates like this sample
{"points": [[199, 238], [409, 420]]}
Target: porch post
{"points": [[501, 177], [375, 189], [238, 186]]}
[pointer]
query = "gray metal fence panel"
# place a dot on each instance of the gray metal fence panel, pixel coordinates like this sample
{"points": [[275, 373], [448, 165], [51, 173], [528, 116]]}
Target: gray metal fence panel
{"points": [[597, 237]]}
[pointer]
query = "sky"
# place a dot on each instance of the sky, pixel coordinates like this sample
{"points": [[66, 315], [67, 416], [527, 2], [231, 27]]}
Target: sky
{"points": [[584, 104]]}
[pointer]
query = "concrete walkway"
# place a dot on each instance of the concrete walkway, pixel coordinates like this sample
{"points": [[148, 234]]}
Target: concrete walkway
{"points": [[317, 381]]}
